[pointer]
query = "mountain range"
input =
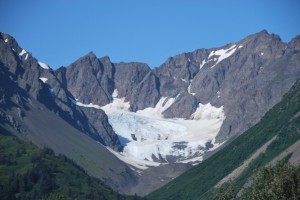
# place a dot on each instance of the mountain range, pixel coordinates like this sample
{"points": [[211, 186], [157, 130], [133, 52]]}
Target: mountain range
{"points": [[138, 128]]}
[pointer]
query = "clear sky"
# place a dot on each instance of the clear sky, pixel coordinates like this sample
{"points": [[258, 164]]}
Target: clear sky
{"points": [[58, 32]]}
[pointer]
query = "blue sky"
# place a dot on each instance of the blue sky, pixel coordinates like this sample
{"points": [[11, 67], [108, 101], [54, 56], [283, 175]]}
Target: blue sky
{"points": [[58, 32]]}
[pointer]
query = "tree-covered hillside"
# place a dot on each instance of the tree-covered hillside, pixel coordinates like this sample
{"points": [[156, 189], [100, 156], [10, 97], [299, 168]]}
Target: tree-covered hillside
{"points": [[279, 182], [28, 172], [283, 121]]}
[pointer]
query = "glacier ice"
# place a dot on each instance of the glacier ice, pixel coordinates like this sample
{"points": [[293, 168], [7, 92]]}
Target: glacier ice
{"points": [[149, 139]]}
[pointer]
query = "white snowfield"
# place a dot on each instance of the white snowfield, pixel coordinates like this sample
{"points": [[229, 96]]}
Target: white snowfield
{"points": [[147, 136], [219, 55], [202, 63], [222, 53], [189, 89], [43, 79], [24, 52], [43, 65]]}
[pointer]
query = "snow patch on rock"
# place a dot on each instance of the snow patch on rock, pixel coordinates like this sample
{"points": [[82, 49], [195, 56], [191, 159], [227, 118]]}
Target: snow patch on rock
{"points": [[43, 79], [207, 112], [43, 65], [156, 112], [90, 105], [189, 90], [184, 80], [115, 93], [218, 94], [202, 63], [117, 105], [22, 52], [222, 54]]}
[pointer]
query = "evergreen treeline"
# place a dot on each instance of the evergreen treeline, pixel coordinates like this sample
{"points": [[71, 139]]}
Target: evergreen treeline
{"points": [[27, 172], [280, 182]]}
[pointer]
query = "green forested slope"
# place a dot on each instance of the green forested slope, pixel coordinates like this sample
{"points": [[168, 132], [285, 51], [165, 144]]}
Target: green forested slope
{"points": [[278, 182], [282, 120], [27, 172]]}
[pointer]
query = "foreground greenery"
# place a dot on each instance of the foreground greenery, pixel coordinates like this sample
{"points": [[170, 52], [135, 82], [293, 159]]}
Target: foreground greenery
{"points": [[282, 121], [27, 172], [280, 182]]}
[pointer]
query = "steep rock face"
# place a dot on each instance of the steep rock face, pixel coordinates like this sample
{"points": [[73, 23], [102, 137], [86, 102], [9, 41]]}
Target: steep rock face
{"points": [[184, 105], [36, 106], [128, 76], [107, 80], [248, 83], [93, 80], [244, 77], [247, 78], [99, 124], [294, 44], [177, 72], [89, 68], [37, 81], [145, 94], [20, 75]]}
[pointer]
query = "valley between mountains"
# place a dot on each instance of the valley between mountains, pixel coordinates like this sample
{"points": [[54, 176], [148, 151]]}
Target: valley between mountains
{"points": [[137, 128]]}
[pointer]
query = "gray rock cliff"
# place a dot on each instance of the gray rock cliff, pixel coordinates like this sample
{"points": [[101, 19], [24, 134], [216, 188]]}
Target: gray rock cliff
{"points": [[247, 78]]}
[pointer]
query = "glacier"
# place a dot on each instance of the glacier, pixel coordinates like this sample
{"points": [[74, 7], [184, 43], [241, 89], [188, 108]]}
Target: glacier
{"points": [[147, 136], [149, 139]]}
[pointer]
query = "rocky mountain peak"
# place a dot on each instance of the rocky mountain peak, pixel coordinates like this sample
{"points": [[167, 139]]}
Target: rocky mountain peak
{"points": [[37, 82], [90, 68], [128, 76], [105, 60], [11, 41], [295, 43], [91, 55], [261, 38], [88, 60], [265, 34]]}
